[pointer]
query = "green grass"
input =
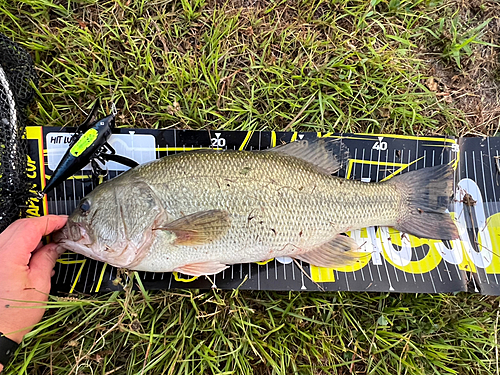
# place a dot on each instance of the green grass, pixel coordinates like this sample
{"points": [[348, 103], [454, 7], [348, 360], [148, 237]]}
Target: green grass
{"points": [[216, 332], [344, 66], [347, 67]]}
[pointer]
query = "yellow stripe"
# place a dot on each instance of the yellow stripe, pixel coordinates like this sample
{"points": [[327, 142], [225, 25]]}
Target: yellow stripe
{"points": [[319, 135], [401, 169], [177, 278], [245, 141], [181, 148], [432, 145], [41, 163], [455, 163], [265, 262], [344, 137], [98, 287], [407, 165], [402, 166], [186, 148], [68, 261], [78, 276], [76, 177], [414, 138], [82, 177], [322, 274], [397, 171], [370, 162], [410, 137], [374, 162], [349, 169], [33, 132]]}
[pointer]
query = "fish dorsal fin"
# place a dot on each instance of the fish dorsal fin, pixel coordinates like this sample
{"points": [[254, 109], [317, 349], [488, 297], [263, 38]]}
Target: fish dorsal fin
{"points": [[338, 252], [328, 154], [199, 228]]}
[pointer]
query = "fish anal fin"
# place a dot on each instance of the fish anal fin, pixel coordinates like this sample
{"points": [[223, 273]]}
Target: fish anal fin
{"points": [[338, 252], [203, 268], [199, 228], [327, 154]]}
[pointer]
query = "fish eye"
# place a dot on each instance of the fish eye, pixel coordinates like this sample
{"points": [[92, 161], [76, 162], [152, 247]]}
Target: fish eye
{"points": [[84, 206]]}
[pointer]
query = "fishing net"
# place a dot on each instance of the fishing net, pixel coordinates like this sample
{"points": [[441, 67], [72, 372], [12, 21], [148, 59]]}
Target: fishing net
{"points": [[16, 93]]}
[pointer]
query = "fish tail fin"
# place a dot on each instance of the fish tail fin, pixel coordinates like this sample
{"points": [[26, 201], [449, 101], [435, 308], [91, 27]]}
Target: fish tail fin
{"points": [[427, 192]]}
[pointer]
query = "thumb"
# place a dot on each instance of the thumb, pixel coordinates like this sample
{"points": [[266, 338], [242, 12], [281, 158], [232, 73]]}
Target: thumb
{"points": [[41, 264]]}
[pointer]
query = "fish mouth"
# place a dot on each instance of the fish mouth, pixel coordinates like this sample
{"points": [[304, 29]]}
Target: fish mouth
{"points": [[61, 235], [74, 232], [73, 236]]}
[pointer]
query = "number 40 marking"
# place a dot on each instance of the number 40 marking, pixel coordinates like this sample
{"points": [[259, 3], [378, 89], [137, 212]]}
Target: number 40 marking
{"points": [[380, 145]]}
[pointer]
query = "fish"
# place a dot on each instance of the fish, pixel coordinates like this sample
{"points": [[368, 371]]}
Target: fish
{"points": [[199, 212]]}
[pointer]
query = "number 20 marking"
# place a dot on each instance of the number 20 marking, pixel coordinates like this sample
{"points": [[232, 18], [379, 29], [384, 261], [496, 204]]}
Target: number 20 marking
{"points": [[218, 142]]}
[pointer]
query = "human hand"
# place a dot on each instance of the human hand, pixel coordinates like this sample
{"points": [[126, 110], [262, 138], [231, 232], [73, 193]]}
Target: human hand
{"points": [[25, 272]]}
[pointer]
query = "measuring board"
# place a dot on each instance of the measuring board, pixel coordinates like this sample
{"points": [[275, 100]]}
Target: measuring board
{"points": [[392, 263]]}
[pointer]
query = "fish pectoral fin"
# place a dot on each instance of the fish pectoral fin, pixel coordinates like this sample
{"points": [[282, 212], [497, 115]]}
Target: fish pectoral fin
{"points": [[338, 252], [199, 228], [327, 154], [200, 269]]}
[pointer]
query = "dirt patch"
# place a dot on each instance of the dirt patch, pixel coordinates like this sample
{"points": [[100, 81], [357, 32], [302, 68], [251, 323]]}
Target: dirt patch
{"points": [[474, 86]]}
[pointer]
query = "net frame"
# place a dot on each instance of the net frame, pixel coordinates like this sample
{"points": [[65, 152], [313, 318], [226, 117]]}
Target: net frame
{"points": [[17, 81]]}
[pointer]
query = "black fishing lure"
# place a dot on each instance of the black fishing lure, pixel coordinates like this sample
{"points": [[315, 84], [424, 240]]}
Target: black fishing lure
{"points": [[89, 144]]}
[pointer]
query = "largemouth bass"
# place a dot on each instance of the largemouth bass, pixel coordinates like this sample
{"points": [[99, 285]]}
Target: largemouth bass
{"points": [[198, 212]]}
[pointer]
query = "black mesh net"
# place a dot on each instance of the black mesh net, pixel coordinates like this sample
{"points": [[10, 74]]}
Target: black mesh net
{"points": [[16, 93]]}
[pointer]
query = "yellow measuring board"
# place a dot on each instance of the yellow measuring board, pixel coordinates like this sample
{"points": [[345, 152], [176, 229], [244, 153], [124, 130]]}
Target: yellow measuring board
{"points": [[390, 261]]}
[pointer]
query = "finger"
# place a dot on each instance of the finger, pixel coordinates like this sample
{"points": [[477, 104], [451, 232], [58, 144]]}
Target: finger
{"points": [[41, 266], [23, 236], [32, 229], [39, 246]]}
